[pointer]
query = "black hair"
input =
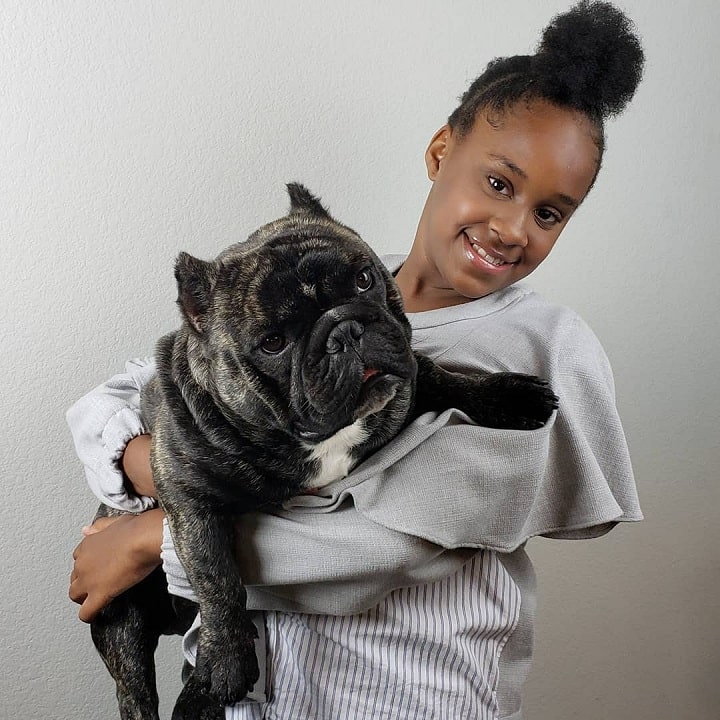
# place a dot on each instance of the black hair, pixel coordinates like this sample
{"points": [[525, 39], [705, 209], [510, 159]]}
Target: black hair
{"points": [[589, 60]]}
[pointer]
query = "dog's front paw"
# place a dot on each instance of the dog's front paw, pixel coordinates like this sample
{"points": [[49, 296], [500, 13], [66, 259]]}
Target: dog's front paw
{"points": [[519, 402], [231, 679], [227, 664]]}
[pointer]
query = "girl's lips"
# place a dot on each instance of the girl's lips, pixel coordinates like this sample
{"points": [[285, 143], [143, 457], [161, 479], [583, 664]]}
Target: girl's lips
{"points": [[482, 259]]}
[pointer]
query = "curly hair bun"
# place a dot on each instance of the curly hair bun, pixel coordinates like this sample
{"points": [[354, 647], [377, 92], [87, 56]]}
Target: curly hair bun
{"points": [[590, 58]]}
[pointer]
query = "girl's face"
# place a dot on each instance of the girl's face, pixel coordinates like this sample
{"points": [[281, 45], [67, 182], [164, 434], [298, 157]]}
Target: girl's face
{"points": [[500, 198]]}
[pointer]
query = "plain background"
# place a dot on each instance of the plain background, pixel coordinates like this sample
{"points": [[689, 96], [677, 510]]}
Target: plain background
{"points": [[132, 130]]}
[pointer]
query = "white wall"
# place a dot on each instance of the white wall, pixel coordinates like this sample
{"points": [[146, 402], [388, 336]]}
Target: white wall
{"points": [[131, 130]]}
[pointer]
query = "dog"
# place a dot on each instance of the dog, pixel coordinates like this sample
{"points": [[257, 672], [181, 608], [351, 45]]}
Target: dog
{"points": [[293, 362]]}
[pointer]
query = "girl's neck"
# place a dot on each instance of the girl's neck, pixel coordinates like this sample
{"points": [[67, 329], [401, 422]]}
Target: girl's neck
{"points": [[419, 295]]}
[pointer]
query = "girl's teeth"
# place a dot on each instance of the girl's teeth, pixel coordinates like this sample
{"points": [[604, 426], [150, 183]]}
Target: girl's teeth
{"points": [[488, 258]]}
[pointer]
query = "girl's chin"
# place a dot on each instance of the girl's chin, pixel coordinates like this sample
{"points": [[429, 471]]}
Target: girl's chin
{"points": [[474, 289]]}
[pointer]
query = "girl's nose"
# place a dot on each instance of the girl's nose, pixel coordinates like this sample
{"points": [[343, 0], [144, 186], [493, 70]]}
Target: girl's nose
{"points": [[510, 228]]}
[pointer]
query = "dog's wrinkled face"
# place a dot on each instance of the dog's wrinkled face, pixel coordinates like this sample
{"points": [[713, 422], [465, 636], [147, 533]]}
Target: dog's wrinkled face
{"points": [[300, 328]]}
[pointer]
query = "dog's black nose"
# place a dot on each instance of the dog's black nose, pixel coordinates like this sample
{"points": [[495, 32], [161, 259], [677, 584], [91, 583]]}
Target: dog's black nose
{"points": [[345, 334]]}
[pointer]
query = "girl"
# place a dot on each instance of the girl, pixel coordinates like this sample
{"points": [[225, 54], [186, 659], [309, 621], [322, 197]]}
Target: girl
{"points": [[406, 591]]}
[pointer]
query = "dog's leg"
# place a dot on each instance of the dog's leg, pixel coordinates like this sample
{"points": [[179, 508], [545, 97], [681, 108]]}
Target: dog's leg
{"points": [[226, 666], [126, 641], [497, 400], [126, 634]]}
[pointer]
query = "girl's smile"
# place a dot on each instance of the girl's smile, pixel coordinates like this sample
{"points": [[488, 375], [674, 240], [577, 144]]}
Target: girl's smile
{"points": [[486, 260], [501, 195]]}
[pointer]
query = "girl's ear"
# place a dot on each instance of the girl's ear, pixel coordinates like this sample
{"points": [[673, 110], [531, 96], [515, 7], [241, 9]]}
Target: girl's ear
{"points": [[437, 149]]}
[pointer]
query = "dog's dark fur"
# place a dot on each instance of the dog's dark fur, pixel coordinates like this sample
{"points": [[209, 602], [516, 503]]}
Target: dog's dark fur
{"points": [[290, 341]]}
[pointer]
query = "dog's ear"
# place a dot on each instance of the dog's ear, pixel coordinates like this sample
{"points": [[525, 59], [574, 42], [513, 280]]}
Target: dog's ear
{"points": [[196, 282], [303, 201]]}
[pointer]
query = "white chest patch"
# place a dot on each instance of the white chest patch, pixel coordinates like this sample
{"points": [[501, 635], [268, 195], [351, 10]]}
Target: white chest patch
{"points": [[335, 454]]}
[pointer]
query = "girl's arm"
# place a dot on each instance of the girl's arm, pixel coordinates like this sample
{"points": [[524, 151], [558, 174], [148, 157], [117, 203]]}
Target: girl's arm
{"points": [[135, 464], [117, 553], [112, 442]]}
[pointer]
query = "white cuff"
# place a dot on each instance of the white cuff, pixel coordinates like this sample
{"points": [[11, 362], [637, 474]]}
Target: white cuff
{"points": [[177, 580], [102, 423]]}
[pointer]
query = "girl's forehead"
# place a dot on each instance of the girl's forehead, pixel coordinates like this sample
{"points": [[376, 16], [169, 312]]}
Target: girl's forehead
{"points": [[537, 141], [540, 129]]}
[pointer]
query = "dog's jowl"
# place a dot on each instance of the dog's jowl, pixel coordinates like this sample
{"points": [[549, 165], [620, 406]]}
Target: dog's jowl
{"points": [[292, 363]]}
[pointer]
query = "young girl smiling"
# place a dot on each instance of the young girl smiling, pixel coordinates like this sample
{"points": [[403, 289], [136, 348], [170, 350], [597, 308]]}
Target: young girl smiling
{"points": [[405, 591]]}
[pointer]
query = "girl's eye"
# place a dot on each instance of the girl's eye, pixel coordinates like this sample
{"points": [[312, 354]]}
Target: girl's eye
{"points": [[498, 185], [364, 280], [548, 217], [273, 344]]}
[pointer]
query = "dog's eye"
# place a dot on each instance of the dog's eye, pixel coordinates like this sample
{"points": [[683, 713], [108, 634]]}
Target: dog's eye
{"points": [[273, 344], [364, 280]]}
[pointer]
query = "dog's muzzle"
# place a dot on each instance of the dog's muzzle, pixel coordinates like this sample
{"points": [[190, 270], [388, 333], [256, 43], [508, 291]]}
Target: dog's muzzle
{"points": [[355, 360]]}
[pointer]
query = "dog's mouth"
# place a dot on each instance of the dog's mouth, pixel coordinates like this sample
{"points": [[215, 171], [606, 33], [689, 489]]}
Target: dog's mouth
{"points": [[370, 373], [378, 388]]}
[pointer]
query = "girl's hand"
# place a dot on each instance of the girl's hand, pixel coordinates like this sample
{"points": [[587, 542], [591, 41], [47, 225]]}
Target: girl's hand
{"points": [[115, 554]]}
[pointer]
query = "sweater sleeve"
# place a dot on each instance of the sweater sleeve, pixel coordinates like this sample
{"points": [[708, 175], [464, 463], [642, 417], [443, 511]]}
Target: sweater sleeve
{"points": [[102, 423], [589, 467]]}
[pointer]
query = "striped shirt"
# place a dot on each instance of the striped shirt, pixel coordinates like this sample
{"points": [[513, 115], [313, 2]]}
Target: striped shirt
{"points": [[428, 651]]}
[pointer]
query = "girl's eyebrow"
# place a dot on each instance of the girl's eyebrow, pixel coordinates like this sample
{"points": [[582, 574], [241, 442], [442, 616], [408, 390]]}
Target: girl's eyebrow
{"points": [[510, 165], [569, 201]]}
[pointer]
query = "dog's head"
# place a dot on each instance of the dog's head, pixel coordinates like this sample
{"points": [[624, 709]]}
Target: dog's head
{"points": [[300, 328]]}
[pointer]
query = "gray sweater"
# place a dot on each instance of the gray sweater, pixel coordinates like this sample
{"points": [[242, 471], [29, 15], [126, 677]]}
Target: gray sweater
{"points": [[421, 509]]}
